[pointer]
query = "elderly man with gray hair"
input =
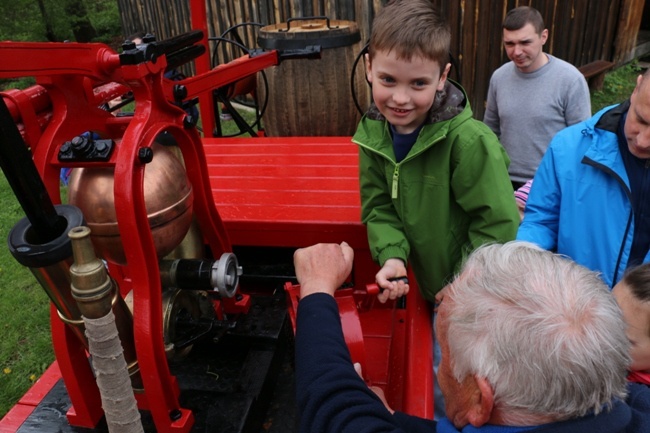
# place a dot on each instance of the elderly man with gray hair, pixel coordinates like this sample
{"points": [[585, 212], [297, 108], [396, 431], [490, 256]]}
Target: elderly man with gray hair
{"points": [[530, 342]]}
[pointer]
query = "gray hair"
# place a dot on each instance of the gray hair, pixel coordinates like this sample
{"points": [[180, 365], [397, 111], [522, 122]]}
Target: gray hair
{"points": [[544, 331]]}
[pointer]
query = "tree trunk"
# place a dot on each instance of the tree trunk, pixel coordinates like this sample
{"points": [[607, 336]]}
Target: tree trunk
{"points": [[81, 26], [49, 30]]}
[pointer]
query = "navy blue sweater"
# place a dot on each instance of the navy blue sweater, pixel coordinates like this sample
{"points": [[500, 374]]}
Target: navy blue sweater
{"points": [[333, 399], [638, 173]]}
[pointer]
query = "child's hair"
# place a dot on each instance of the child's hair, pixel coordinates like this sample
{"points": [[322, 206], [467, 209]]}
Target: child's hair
{"points": [[411, 28], [637, 279], [518, 17], [137, 35]]}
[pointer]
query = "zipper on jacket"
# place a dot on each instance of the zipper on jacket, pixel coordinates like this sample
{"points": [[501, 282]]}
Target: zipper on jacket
{"points": [[395, 182], [588, 161]]}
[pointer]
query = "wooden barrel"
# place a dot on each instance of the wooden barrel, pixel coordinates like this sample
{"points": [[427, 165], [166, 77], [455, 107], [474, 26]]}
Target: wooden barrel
{"points": [[313, 97]]}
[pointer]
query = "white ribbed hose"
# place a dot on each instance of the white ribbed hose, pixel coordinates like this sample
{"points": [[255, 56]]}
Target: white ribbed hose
{"points": [[112, 375]]}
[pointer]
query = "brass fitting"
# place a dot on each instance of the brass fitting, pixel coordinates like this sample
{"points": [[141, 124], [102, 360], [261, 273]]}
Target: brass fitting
{"points": [[92, 288], [97, 293]]}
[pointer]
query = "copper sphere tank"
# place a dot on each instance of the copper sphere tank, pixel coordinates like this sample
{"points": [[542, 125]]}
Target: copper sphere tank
{"points": [[168, 199]]}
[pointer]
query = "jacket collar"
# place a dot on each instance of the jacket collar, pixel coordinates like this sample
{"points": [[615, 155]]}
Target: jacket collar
{"points": [[609, 420], [603, 150], [449, 102], [610, 119]]}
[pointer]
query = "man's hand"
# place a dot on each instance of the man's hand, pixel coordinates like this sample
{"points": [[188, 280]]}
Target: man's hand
{"points": [[439, 297], [393, 268], [322, 268], [377, 390]]}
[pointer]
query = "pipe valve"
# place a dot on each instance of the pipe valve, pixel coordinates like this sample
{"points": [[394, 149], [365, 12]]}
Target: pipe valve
{"points": [[221, 276]]}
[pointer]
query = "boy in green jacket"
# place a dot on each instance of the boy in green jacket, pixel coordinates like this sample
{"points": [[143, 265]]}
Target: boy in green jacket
{"points": [[434, 181]]}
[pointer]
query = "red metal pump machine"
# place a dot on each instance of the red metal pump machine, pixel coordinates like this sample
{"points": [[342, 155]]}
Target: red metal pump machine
{"points": [[190, 244]]}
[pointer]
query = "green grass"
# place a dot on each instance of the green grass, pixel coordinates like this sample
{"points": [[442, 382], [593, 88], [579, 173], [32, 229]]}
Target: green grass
{"points": [[26, 348], [230, 128]]}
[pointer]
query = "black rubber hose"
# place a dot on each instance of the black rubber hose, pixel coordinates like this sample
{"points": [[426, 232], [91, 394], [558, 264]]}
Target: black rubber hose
{"points": [[177, 43], [25, 181]]}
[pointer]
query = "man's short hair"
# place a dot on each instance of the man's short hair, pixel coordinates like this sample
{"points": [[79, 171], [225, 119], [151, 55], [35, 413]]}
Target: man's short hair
{"points": [[518, 17], [544, 331], [411, 28]]}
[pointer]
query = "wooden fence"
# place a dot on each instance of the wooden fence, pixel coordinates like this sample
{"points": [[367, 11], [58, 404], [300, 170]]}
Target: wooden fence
{"points": [[580, 31]]}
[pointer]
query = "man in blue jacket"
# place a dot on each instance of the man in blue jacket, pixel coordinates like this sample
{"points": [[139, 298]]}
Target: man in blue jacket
{"points": [[531, 342], [590, 198]]}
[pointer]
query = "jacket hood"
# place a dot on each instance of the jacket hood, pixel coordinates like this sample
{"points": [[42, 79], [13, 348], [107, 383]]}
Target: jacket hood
{"points": [[606, 119], [611, 116], [448, 103], [450, 109]]}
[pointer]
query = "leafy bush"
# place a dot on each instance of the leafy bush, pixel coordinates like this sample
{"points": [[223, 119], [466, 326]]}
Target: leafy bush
{"points": [[51, 20], [105, 17], [618, 86]]}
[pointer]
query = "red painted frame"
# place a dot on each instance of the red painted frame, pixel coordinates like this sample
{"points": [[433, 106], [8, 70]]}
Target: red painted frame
{"points": [[70, 73]]}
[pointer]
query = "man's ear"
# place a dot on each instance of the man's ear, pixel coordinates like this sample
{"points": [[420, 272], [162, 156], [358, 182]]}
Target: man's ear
{"points": [[544, 36], [482, 403]]}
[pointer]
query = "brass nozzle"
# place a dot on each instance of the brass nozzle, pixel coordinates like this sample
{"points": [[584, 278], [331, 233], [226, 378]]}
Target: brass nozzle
{"points": [[91, 286]]}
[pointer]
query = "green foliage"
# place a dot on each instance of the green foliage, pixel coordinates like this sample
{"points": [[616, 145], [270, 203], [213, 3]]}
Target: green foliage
{"points": [[18, 83], [24, 20], [105, 17], [618, 86], [19, 20]]}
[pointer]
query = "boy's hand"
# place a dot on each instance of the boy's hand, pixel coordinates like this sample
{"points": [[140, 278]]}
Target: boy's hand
{"points": [[393, 268], [323, 267]]}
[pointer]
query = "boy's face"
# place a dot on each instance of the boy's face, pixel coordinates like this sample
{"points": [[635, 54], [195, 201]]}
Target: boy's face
{"points": [[404, 90], [637, 316], [525, 47]]}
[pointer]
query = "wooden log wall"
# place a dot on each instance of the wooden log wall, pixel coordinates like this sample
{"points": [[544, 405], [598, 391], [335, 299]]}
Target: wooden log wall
{"points": [[580, 31], [631, 19]]}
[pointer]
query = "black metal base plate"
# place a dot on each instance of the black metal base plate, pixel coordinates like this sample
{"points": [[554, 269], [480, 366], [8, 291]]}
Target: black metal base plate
{"points": [[241, 384]]}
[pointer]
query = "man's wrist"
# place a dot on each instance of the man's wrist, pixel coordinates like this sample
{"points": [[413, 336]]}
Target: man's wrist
{"points": [[310, 288]]}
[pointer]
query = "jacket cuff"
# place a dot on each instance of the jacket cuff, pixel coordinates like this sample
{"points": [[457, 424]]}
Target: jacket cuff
{"points": [[391, 252]]}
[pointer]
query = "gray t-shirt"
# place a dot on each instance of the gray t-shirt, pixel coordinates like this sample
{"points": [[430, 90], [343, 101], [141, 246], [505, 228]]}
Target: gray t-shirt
{"points": [[525, 110]]}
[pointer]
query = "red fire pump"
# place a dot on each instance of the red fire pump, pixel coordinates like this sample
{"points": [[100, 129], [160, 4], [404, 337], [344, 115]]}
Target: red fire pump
{"points": [[189, 246]]}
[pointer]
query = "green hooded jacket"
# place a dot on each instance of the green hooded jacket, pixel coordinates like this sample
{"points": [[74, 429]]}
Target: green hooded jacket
{"points": [[449, 195]]}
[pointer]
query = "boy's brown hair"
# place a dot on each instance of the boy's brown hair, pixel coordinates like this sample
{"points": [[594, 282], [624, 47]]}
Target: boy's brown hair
{"points": [[411, 28], [518, 17]]}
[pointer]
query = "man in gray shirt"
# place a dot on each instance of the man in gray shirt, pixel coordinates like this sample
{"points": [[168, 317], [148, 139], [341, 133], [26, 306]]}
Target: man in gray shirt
{"points": [[533, 96]]}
